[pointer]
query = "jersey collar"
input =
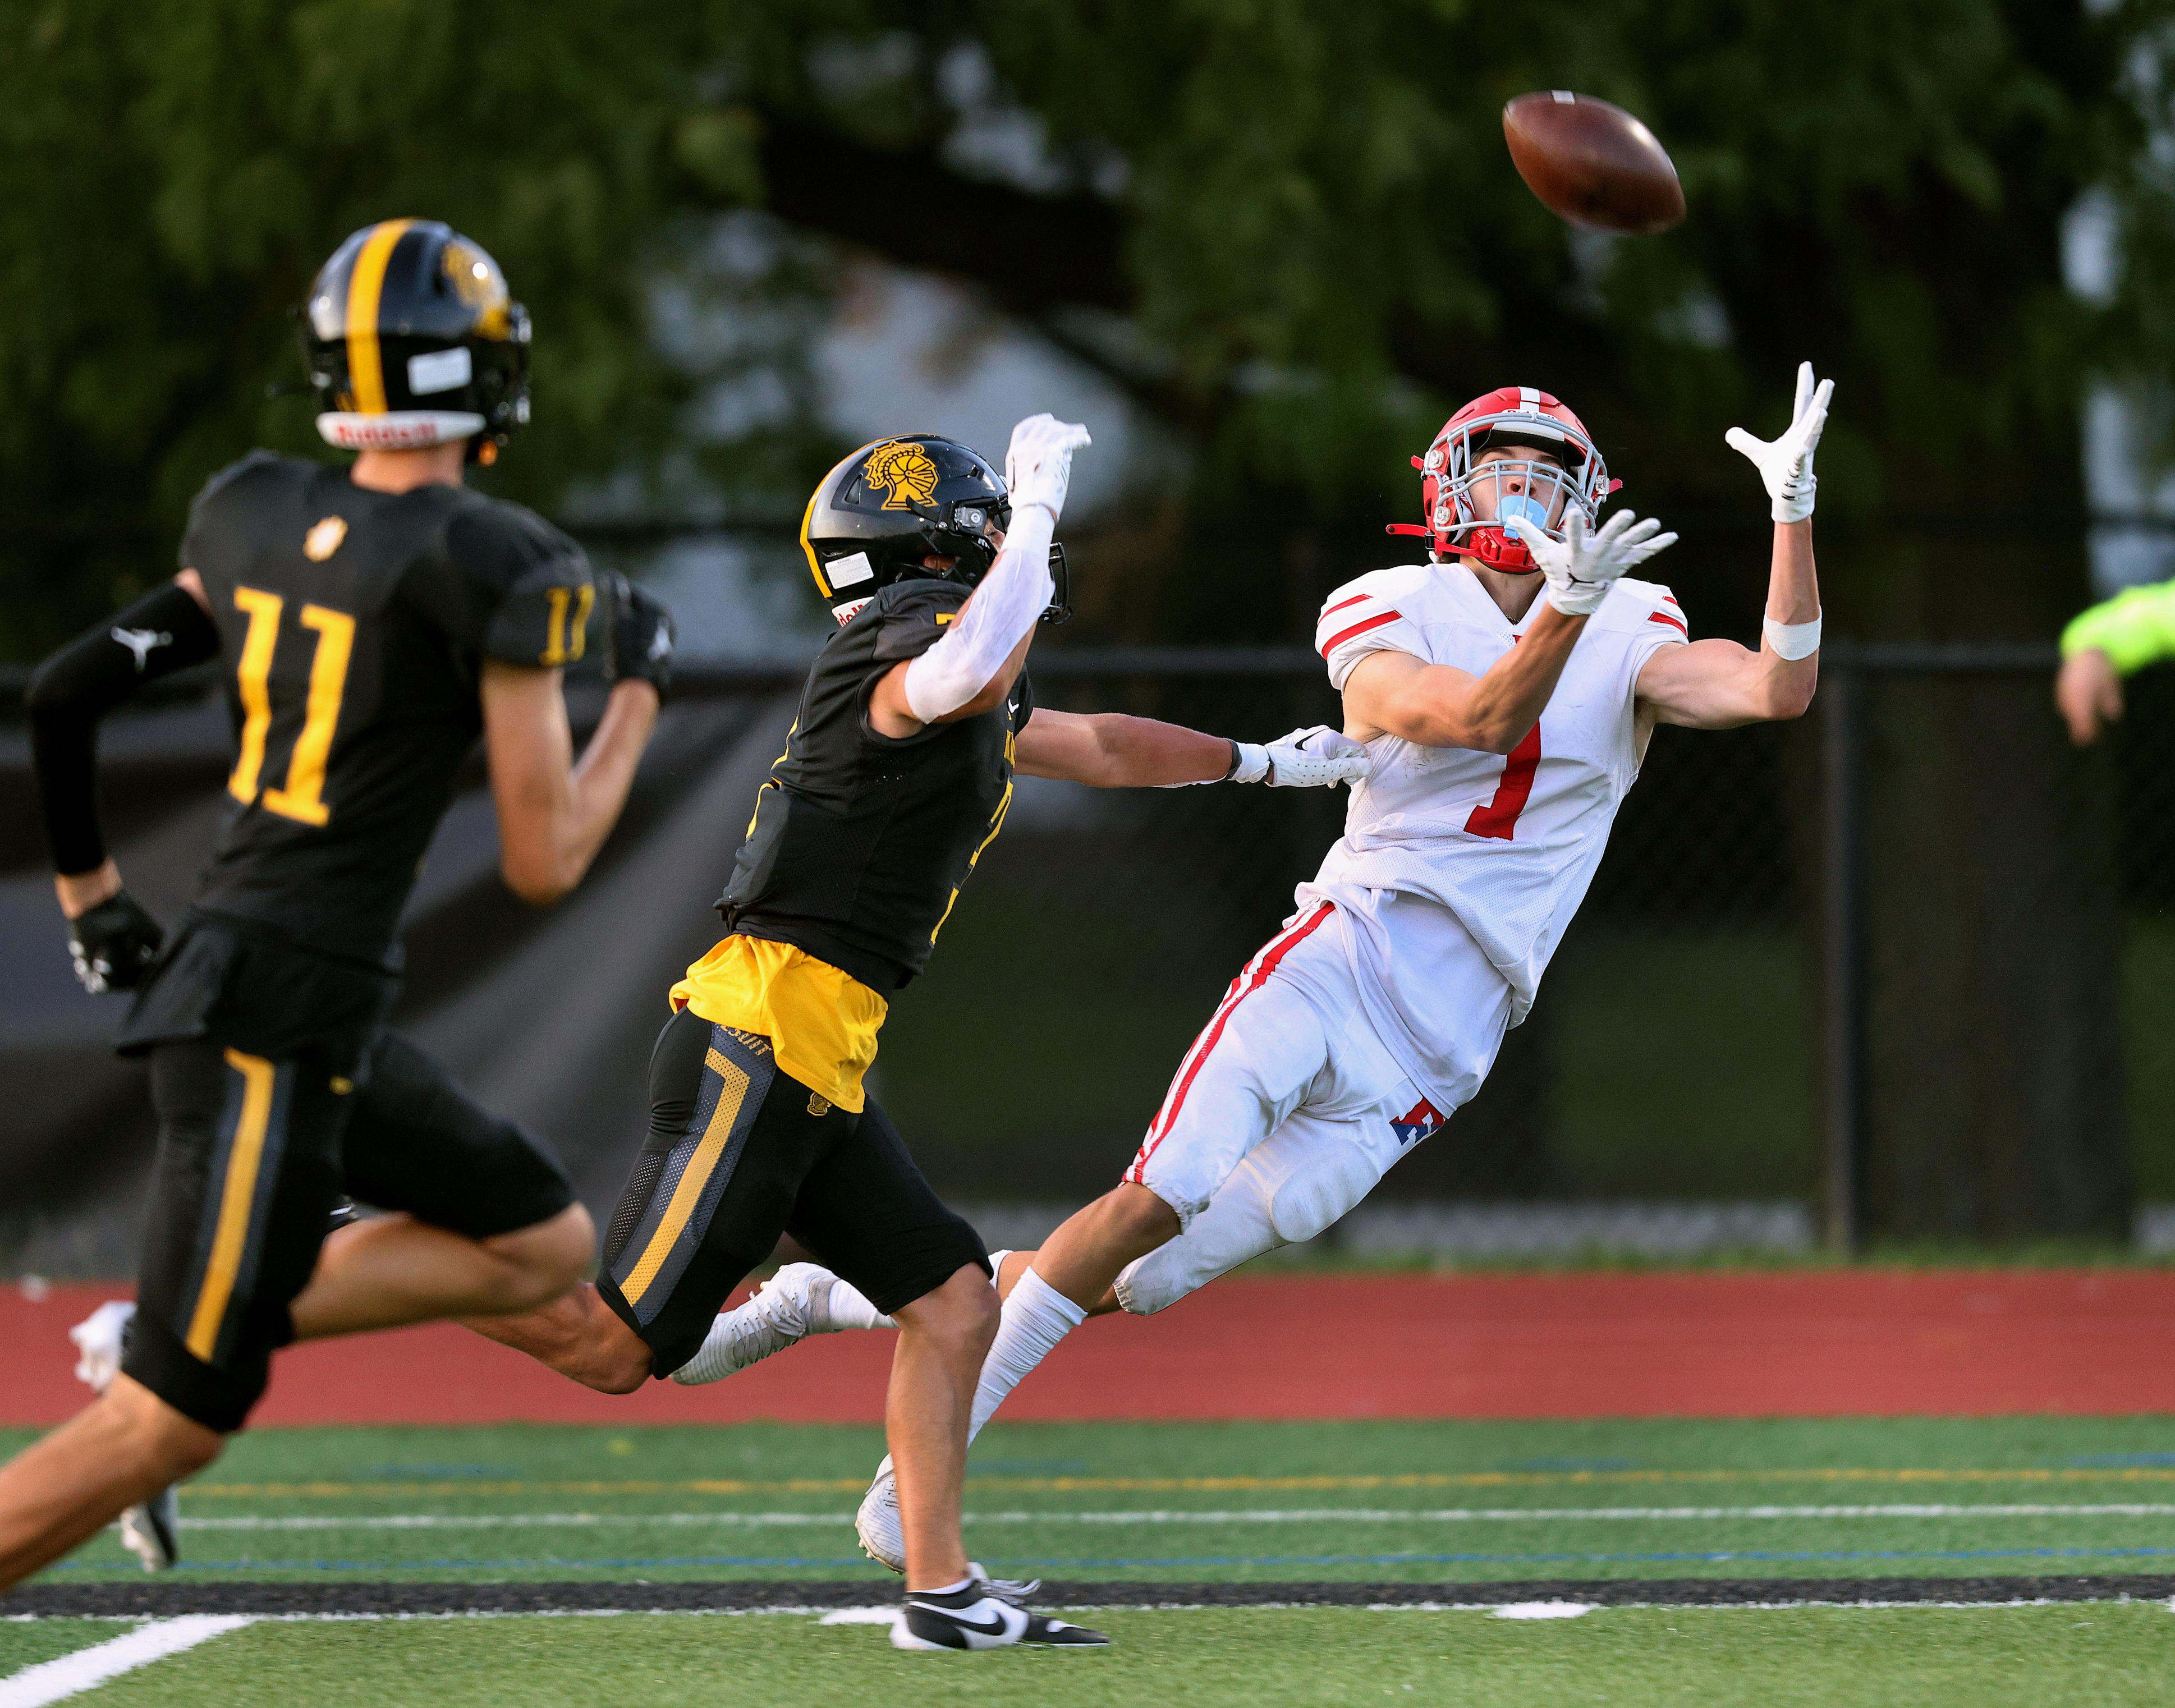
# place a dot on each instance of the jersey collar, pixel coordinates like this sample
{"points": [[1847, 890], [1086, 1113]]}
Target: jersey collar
{"points": [[1481, 607]]}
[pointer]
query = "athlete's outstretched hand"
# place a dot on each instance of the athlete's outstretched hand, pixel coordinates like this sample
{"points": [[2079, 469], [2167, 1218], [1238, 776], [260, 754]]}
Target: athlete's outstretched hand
{"points": [[1039, 465], [1314, 757], [114, 944], [1785, 464], [1580, 567]]}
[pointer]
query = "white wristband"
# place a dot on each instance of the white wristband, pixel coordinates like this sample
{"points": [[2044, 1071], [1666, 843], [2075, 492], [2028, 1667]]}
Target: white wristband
{"points": [[1791, 640]]}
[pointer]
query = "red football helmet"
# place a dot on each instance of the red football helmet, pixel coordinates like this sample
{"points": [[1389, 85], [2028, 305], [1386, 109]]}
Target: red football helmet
{"points": [[1543, 490]]}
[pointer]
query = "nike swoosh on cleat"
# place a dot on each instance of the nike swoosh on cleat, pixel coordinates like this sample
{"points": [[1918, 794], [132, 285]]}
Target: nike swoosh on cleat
{"points": [[995, 1627]]}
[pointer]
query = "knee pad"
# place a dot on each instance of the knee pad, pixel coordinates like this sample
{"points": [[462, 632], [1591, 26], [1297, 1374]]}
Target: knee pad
{"points": [[1293, 1187], [1319, 1186], [1236, 1226]]}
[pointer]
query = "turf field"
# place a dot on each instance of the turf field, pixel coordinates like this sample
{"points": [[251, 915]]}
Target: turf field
{"points": [[2032, 1657], [467, 1521], [1409, 1502]]}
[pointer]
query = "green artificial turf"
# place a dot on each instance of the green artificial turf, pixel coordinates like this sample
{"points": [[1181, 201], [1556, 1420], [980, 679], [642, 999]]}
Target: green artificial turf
{"points": [[1372, 1501], [28, 1642], [2103, 1655]]}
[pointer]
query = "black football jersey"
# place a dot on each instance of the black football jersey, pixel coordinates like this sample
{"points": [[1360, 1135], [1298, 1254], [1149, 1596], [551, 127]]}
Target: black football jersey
{"points": [[352, 628], [860, 844]]}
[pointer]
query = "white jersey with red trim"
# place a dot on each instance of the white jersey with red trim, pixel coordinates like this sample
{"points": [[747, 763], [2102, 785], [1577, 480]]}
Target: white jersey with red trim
{"points": [[1507, 846]]}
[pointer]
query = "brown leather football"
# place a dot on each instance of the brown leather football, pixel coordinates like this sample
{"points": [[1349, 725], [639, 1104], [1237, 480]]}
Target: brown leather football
{"points": [[1593, 163]]}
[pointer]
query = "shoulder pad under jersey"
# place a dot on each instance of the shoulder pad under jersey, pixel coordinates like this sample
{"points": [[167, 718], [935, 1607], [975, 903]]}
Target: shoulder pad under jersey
{"points": [[911, 616], [523, 592], [1367, 615], [1634, 606]]}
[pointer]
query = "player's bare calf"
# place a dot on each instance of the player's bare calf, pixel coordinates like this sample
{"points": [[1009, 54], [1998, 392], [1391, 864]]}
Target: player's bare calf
{"points": [[1083, 1259]]}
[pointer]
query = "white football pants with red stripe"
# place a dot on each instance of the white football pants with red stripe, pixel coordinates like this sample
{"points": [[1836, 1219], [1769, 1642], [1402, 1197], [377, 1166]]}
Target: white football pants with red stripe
{"points": [[1287, 1110]]}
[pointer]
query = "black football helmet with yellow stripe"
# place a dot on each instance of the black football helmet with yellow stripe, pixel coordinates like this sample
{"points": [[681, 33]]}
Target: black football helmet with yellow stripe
{"points": [[412, 339], [877, 516]]}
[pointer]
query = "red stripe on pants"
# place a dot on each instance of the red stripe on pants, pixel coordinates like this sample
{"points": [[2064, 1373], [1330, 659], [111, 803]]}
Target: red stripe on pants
{"points": [[1242, 988]]}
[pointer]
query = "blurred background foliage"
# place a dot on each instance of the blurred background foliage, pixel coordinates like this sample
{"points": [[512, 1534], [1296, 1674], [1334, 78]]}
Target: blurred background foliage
{"points": [[1287, 228]]}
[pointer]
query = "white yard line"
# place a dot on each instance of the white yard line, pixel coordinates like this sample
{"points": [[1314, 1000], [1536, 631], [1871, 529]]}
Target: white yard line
{"points": [[1339, 1515], [888, 1611], [53, 1681]]}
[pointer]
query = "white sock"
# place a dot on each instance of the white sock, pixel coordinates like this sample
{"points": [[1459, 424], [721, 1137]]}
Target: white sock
{"points": [[1036, 1317], [850, 1308]]}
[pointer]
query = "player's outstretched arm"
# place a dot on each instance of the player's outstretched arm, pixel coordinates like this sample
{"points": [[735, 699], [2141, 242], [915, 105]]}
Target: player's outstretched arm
{"points": [[1718, 685], [554, 813], [973, 666], [113, 940], [1111, 751]]}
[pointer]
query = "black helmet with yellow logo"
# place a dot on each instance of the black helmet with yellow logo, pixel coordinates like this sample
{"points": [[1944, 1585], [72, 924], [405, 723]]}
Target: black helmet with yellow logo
{"points": [[876, 517], [412, 339]]}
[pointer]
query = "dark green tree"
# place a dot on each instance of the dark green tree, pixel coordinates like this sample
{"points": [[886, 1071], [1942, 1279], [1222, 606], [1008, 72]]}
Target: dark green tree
{"points": [[1289, 230]]}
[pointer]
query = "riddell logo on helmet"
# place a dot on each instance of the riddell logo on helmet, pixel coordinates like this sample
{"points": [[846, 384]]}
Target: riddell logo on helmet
{"points": [[846, 613], [389, 432], [903, 472], [402, 430]]}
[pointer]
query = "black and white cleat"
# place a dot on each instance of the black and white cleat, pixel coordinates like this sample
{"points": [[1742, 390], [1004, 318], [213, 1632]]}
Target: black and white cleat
{"points": [[984, 1615], [152, 1531]]}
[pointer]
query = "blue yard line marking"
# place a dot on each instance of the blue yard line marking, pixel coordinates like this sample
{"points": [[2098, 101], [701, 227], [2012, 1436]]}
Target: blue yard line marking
{"points": [[1771, 1556]]}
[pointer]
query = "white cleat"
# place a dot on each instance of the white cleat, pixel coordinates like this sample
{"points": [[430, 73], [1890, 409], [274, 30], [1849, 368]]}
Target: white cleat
{"points": [[881, 1531], [791, 1305], [151, 1530], [883, 1537]]}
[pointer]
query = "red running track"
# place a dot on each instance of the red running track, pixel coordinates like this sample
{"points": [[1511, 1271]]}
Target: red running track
{"points": [[1817, 1344]]}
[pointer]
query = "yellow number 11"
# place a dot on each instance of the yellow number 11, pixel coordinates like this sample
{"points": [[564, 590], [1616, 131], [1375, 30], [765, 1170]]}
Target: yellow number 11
{"points": [[302, 798]]}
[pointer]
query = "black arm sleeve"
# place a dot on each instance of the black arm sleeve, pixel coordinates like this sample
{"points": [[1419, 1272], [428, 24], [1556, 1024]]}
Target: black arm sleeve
{"points": [[162, 632]]}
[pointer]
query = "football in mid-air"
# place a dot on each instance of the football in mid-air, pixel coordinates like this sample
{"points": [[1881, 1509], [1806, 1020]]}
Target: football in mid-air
{"points": [[1593, 163]]}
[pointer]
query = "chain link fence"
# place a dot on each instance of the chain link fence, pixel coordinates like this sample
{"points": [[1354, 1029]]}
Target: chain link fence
{"points": [[1672, 1055], [1909, 963], [1904, 970]]}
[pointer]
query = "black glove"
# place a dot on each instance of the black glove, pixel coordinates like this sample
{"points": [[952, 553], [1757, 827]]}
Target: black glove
{"points": [[639, 628], [114, 944]]}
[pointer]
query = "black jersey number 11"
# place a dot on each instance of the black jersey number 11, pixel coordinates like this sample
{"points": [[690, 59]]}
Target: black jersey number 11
{"points": [[302, 797]]}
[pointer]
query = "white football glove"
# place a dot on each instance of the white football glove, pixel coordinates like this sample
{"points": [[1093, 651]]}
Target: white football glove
{"points": [[1314, 757], [98, 1338], [1039, 465], [1580, 567], [1785, 464]]}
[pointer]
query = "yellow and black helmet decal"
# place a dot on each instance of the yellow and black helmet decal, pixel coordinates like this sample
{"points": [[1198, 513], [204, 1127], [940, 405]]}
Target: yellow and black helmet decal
{"points": [[881, 512]]}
